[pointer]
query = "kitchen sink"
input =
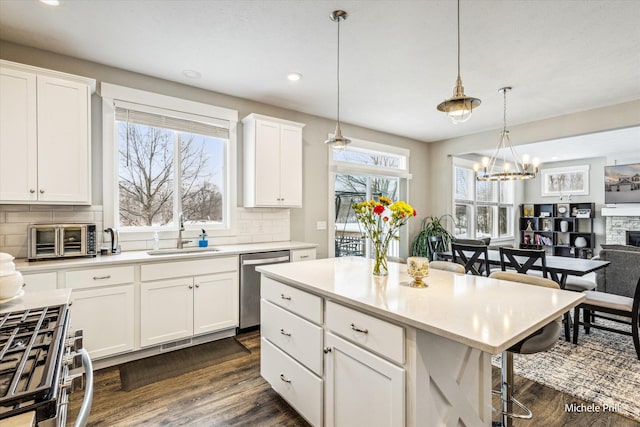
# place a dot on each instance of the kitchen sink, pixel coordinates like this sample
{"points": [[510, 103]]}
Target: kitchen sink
{"points": [[189, 250]]}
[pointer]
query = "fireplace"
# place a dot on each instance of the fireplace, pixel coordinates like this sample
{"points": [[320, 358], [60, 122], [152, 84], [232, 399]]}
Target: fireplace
{"points": [[633, 238]]}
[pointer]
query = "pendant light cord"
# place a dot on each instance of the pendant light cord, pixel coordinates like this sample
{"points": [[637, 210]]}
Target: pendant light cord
{"points": [[338, 71], [458, 38], [504, 112]]}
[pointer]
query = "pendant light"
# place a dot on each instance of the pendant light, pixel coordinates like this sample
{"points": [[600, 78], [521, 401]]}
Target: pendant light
{"points": [[459, 107], [338, 140], [505, 172]]}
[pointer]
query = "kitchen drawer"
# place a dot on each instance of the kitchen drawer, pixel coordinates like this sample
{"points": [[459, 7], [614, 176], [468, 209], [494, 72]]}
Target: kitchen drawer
{"points": [[299, 338], [196, 267], [292, 381], [40, 281], [303, 254], [299, 302], [370, 332], [105, 276]]}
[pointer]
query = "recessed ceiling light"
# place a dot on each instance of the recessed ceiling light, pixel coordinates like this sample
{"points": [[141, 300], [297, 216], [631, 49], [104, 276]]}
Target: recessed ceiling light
{"points": [[554, 158], [191, 74], [294, 77], [51, 2]]}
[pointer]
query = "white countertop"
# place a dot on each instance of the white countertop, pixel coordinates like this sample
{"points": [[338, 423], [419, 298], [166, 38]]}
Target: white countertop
{"points": [[484, 313], [24, 265], [36, 299]]}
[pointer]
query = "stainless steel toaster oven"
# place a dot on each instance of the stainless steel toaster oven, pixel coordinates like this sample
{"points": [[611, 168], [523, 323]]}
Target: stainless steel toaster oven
{"points": [[46, 241]]}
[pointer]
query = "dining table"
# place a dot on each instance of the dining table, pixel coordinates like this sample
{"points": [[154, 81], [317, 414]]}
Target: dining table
{"points": [[558, 267]]}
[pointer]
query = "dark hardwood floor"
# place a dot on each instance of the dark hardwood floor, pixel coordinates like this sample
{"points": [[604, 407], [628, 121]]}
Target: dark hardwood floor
{"points": [[233, 394]]}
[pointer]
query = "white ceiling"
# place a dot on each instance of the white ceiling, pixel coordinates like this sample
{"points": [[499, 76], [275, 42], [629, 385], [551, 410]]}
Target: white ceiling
{"points": [[398, 57]]}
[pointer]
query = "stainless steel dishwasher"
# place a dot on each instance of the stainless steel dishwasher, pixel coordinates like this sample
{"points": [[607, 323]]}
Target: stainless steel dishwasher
{"points": [[250, 284]]}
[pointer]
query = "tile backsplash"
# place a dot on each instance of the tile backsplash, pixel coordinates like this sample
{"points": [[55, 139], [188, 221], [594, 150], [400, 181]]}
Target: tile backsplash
{"points": [[252, 225]]}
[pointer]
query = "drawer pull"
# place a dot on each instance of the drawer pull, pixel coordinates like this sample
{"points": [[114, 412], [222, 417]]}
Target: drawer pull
{"points": [[326, 350], [285, 297], [304, 256], [282, 331], [283, 378], [108, 276], [355, 328]]}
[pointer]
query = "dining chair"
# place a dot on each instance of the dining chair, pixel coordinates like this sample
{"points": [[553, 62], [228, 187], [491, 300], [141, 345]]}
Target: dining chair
{"points": [[625, 310], [522, 260], [436, 244], [447, 266], [474, 258], [541, 340]]}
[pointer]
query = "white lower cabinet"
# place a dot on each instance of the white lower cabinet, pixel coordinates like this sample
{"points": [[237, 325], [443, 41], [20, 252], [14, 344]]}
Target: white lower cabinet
{"points": [[102, 305], [361, 389], [106, 319], [296, 384], [180, 308], [355, 359]]}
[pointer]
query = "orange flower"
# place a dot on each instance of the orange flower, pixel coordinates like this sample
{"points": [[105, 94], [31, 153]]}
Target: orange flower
{"points": [[385, 219]]}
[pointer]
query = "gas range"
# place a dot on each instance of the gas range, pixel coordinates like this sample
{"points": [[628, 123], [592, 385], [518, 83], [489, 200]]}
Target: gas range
{"points": [[36, 358]]}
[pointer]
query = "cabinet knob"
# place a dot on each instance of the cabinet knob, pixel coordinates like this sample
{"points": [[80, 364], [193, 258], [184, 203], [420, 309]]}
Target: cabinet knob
{"points": [[283, 332], [326, 350], [41, 191], [197, 285], [190, 286], [355, 328], [31, 190], [285, 379]]}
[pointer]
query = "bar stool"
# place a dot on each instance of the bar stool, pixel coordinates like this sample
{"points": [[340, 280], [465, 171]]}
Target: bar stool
{"points": [[541, 340]]}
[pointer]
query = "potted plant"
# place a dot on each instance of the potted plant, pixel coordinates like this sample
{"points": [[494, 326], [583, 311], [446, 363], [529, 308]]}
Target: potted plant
{"points": [[431, 226]]}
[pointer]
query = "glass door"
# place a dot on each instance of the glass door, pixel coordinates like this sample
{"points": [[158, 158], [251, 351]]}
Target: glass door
{"points": [[72, 238], [46, 240]]}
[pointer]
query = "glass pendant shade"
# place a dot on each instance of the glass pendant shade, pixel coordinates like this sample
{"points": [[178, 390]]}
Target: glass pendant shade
{"points": [[459, 107], [337, 140]]}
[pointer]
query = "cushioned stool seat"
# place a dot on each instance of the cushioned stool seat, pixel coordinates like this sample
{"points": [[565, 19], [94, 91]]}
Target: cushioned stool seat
{"points": [[447, 266]]}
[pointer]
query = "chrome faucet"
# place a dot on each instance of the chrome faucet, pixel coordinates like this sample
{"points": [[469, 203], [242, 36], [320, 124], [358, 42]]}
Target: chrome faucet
{"points": [[180, 230]]}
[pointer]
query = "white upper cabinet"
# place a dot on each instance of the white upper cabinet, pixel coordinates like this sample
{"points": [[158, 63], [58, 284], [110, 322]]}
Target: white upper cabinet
{"points": [[272, 162], [45, 136]]}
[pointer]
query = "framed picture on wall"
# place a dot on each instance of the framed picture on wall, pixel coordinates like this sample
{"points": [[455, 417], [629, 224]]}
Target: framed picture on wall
{"points": [[573, 180]]}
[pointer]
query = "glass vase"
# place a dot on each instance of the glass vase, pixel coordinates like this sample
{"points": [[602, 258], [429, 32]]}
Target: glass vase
{"points": [[380, 267]]}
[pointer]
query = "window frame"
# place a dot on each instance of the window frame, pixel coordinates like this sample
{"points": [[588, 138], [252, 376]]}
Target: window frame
{"points": [[472, 227], [175, 107], [342, 167]]}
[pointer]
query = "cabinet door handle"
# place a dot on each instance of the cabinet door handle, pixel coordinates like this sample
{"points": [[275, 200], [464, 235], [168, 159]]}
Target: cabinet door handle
{"points": [[197, 285], [285, 297], [285, 379], [355, 328], [283, 332], [326, 350], [108, 276], [41, 191], [31, 190], [190, 286]]}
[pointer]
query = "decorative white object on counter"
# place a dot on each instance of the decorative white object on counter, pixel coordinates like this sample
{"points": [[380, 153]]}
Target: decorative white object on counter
{"points": [[10, 280], [418, 267]]}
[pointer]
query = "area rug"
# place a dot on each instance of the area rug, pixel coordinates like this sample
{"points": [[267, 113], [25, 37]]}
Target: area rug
{"points": [[603, 368], [146, 371]]}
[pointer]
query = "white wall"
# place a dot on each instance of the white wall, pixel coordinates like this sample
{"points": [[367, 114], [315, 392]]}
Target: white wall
{"points": [[315, 153]]}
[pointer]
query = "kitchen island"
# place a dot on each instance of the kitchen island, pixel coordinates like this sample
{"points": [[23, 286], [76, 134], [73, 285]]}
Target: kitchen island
{"points": [[393, 355]]}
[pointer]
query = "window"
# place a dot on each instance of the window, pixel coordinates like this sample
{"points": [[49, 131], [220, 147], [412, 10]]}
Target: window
{"points": [[481, 209], [364, 171], [168, 161]]}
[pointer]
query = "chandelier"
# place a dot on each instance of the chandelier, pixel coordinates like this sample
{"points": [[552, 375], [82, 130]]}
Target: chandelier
{"points": [[491, 171], [459, 107], [338, 140]]}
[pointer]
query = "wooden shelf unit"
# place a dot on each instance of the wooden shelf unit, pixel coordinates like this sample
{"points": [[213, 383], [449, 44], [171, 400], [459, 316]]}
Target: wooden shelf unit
{"points": [[540, 227]]}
